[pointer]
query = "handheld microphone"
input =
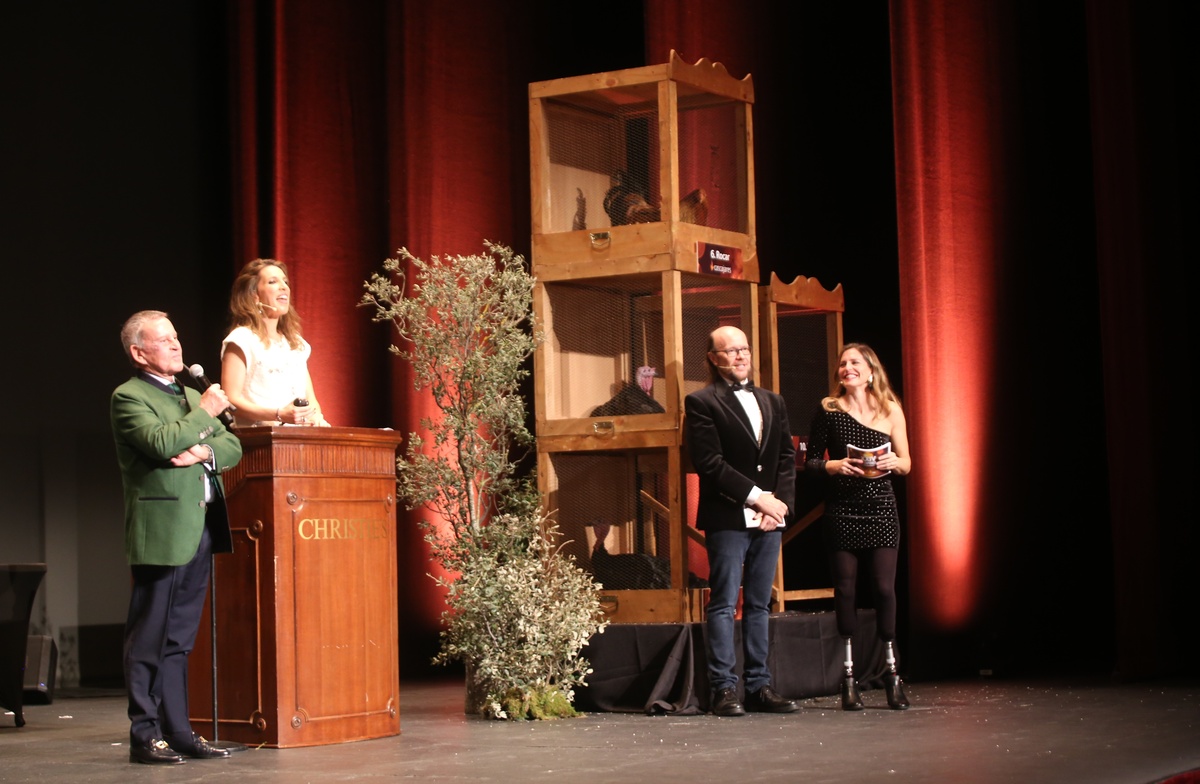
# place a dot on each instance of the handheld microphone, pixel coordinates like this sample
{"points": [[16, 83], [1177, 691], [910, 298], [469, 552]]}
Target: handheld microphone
{"points": [[197, 372]]}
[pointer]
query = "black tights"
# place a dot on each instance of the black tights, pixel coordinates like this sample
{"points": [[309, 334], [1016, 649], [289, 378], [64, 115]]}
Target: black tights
{"points": [[844, 564]]}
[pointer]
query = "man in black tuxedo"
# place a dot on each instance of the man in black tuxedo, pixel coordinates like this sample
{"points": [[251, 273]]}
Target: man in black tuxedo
{"points": [[741, 447]]}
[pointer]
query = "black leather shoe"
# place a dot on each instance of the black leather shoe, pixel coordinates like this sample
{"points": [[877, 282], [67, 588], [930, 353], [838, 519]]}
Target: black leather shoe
{"points": [[896, 697], [767, 700], [851, 699], [726, 703], [156, 752], [198, 748]]}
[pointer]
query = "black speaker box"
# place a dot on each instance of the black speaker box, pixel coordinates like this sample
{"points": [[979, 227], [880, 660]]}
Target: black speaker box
{"points": [[41, 664]]}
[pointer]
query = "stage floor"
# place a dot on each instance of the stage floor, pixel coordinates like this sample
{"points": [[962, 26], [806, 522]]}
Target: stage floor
{"points": [[971, 731]]}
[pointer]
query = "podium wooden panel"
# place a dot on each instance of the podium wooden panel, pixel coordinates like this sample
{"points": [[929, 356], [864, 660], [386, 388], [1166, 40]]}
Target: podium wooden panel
{"points": [[306, 606]]}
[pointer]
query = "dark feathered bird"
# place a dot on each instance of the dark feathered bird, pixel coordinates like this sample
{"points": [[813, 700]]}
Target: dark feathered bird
{"points": [[626, 571], [625, 205]]}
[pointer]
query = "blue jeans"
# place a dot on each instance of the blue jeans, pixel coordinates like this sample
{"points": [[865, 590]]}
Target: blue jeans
{"points": [[744, 559]]}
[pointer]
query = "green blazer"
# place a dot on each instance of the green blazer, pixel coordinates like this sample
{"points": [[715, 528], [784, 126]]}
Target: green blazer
{"points": [[164, 505]]}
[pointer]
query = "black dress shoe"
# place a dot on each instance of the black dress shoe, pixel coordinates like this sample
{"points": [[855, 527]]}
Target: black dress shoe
{"points": [[851, 699], [767, 700], [156, 752], [726, 703], [896, 697], [198, 748]]}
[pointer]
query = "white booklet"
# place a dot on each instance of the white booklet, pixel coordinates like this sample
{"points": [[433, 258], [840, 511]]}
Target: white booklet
{"points": [[868, 457], [751, 522]]}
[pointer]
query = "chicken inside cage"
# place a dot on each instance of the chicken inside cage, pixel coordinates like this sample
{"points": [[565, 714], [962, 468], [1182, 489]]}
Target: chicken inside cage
{"points": [[625, 205], [626, 571]]}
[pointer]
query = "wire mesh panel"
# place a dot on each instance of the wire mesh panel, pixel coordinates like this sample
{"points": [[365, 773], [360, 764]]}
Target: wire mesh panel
{"points": [[804, 362], [802, 333], [606, 353], [712, 162], [613, 510], [605, 159], [708, 303], [604, 347]]}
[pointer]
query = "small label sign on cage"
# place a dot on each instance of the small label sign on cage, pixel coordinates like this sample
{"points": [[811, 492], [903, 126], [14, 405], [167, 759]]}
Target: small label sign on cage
{"points": [[719, 260]]}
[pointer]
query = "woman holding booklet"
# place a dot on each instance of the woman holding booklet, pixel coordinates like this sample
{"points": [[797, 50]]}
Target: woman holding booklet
{"points": [[861, 427]]}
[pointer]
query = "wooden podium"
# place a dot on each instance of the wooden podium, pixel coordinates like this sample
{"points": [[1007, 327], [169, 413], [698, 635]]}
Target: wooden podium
{"points": [[307, 640]]}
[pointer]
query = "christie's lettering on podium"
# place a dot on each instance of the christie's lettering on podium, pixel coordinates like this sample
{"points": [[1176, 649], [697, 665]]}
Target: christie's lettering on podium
{"points": [[328, 528]]}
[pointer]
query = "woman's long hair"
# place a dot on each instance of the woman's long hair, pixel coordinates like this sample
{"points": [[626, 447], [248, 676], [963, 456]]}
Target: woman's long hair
{"points": [[245, 310]]}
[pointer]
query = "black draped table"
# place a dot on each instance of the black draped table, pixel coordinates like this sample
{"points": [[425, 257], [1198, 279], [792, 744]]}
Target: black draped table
{"points": [[661, 667], [18, 585]]}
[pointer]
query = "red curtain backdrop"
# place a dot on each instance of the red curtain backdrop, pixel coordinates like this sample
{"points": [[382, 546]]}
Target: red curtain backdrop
{"points": [[948, 110], [361, 128], [311, 181], [459, 157], [720, 32], [1016, 523]]}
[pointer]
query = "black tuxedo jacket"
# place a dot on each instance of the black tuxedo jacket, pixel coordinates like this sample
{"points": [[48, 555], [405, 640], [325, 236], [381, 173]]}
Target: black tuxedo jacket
{"points": [[728, 458]]}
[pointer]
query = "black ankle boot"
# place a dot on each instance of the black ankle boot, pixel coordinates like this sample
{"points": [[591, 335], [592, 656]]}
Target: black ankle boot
{"points": [[896, 697], [851, 699]]}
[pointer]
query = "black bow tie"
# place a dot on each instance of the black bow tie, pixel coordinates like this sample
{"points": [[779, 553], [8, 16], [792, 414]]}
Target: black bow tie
{"points": [[745, 386]]}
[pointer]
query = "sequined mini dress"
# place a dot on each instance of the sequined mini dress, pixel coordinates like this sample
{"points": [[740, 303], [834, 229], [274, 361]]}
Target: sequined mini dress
{"points": [[859, 513]]}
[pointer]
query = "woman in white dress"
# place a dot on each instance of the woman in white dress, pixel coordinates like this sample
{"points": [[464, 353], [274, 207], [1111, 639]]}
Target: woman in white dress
{"points": [[264, 359]]}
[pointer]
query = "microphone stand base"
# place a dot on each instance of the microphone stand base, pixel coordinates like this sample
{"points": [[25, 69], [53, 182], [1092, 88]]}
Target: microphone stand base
{"points": [[228, 745]]}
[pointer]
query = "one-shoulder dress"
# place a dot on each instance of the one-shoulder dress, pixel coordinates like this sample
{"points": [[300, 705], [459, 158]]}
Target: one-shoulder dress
{"points": [[860, 513]]}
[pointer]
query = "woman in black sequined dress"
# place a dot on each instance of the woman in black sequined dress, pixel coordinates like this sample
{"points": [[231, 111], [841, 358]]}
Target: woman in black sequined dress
{"points": [[862, 521]]}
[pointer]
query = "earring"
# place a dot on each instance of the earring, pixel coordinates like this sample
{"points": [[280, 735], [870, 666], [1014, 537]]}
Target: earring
{"points": [[871, 379]]}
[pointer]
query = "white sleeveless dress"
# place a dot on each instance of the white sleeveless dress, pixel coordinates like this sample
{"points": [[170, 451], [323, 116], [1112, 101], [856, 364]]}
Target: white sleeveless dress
{"points": [[276, 374]]}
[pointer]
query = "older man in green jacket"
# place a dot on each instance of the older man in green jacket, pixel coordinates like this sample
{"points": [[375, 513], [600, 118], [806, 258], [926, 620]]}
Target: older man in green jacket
{"points": [[172, 448]]}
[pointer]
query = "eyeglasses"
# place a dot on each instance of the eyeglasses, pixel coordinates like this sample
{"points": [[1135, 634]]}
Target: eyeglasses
{"points": [[733, 352]]}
